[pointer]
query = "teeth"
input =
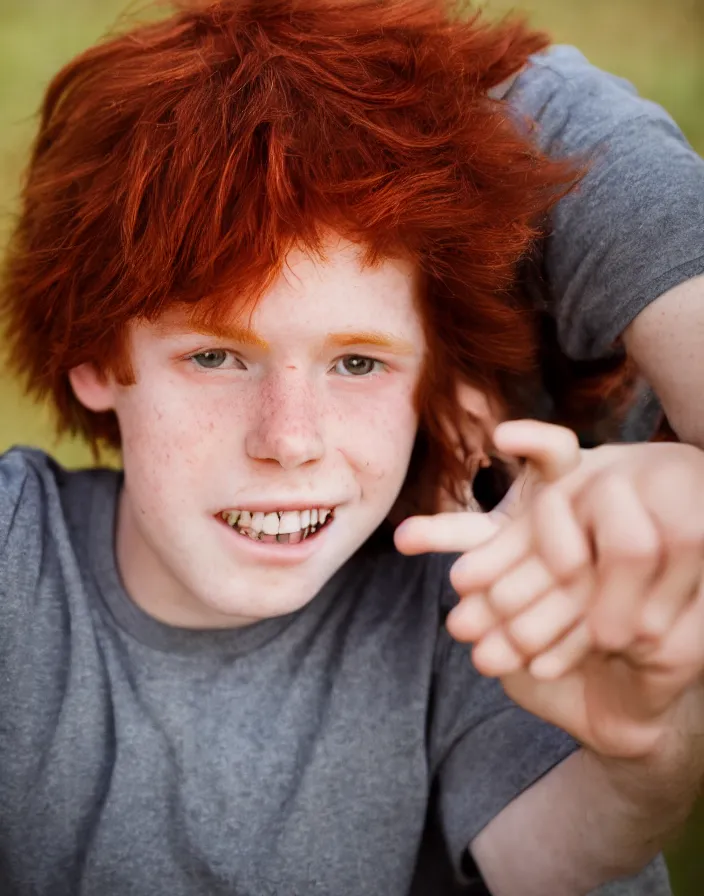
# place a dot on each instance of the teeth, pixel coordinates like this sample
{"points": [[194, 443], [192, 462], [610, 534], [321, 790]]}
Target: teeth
{"points": [[270, 524], [291, 521], [286, 526]]}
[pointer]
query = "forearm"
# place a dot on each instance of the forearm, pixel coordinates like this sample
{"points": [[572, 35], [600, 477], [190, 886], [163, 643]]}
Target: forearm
{"points": [[592, 820], [665, 341]]}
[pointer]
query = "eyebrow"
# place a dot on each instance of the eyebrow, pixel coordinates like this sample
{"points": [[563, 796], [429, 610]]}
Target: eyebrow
{"points": [[385, 341], [231, 332], [247, 336]]}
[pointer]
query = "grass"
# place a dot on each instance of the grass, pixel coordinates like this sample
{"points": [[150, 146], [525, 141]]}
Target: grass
{"points": [[655, 44]]}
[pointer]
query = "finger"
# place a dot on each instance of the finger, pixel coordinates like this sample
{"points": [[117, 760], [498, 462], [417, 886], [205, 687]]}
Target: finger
{"points": [[521, 586], [674, 589], [628, 552], [444, 532], [512, 503], [471, 619], [553, 450], [564, 656], [560, 540], [494, 655], [547, 620], [518, 497], [481, 567]]}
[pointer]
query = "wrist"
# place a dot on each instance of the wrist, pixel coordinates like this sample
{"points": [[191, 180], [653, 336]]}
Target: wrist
{"points": [[669, 774]]}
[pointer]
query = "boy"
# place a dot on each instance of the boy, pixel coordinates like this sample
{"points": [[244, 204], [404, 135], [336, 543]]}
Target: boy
{"points": [[260, 246]]}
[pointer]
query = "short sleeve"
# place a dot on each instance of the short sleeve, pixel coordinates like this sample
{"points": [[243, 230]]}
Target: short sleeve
{"points": [[633, 228], [15, 485], [22, 536], [484, 750]]}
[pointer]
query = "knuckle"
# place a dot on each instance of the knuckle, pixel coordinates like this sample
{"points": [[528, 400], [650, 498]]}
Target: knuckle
{"points": [[611, 482], [632, 549], [675, 474]]}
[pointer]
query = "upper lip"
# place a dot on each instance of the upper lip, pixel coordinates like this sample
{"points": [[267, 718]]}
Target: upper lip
{"points": [[273, 506]]}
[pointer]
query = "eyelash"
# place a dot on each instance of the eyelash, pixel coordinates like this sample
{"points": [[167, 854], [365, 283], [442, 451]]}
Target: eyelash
{"points": [[379, 366], [210, 351]]}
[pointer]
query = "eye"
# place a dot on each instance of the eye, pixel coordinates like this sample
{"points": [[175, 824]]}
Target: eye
{"points": [[215, 358], [358, 365]]}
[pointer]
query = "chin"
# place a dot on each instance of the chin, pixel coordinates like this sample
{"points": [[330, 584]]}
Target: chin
{"points": [[239, 607], [254, 594]]}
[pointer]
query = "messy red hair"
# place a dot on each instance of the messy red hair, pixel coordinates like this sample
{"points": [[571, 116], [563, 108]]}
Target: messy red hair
{"points": [[180, 161]]}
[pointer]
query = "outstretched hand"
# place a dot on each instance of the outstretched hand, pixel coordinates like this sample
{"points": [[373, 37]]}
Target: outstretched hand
{"points": [[583, 591]]}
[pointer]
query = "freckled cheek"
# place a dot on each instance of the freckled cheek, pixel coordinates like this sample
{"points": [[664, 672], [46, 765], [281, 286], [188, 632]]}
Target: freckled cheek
{"points": [[173, 429], [377, 436]]}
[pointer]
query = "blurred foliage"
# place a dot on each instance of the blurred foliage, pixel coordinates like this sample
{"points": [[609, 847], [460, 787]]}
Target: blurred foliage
{"points": [[657, 45]]}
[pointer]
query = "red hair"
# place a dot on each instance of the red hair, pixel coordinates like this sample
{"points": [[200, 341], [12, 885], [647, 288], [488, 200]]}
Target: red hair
{"points": [[180, 161]]}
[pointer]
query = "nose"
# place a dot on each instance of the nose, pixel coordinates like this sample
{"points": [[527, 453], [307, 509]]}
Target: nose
{"points": [[287, 425]]}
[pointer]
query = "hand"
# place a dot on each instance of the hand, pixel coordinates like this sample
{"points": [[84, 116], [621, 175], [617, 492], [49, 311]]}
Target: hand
{"points": [[597, 581]]}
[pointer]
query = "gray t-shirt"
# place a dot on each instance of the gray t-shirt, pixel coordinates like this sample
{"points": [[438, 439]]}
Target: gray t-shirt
{"points": [[350, 747], [346, 748], [635, 226]]}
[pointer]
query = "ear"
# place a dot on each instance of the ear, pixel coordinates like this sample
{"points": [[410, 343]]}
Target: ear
{"points": [[93, 389], [479, 405], [476, 429]]}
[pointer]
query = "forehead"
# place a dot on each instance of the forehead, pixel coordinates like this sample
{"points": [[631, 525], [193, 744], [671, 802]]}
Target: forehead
{"points": [[316, 295]]}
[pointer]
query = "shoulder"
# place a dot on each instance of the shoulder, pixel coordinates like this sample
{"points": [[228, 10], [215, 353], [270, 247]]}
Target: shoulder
{"points": [[576, 104], [643, 186], [42, 503], [24, 476]]}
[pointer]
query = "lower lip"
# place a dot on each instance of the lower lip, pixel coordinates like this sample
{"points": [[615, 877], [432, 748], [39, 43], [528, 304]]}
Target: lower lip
{"points": [[276, 554]]}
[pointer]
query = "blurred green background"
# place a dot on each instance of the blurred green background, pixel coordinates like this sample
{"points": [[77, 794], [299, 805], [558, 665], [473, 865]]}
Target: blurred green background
{"points": [[657, 44]]}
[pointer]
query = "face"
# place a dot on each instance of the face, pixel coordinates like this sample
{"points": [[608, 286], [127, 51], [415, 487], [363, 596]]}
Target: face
{"points": [[257, 461]]}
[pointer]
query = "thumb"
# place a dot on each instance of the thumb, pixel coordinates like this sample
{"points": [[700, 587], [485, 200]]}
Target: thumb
{"points": [[455, 532]]}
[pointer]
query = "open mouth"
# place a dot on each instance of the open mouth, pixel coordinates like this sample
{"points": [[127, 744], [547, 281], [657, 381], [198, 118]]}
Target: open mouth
{"points": [[279, 526]]}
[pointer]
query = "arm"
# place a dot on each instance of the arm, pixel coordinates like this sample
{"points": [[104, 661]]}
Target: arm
{"points": [[600, 819], [636, 702], [625, 257], [607, 558], [666, 340]]}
